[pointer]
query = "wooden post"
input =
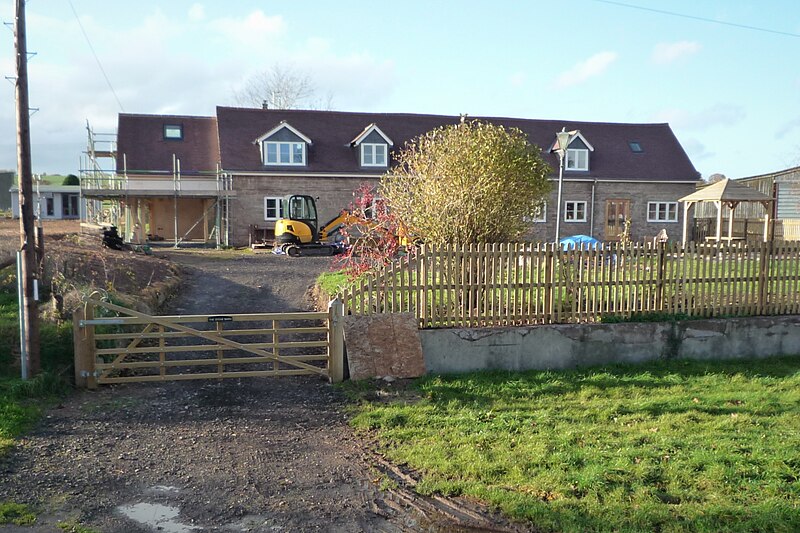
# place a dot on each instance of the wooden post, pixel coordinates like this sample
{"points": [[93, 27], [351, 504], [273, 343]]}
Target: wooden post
{"points": [[661, 271], [29, 312], [335, 341], [763, 278], [83, 338]]}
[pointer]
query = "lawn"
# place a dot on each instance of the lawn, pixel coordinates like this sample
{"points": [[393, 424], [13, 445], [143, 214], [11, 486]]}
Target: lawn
{"points": [[674, 446]]}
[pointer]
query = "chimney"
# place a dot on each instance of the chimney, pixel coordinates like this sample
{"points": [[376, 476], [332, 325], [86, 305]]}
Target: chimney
{"points": [[264, 104]]}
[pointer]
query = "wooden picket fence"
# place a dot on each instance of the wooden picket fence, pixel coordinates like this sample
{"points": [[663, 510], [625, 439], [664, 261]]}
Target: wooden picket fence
{"points": [[512, 284]]}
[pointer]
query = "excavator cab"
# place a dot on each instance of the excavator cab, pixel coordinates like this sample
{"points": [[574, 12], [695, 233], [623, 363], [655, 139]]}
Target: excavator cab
{"points": [[299, 222], [298, 232]]}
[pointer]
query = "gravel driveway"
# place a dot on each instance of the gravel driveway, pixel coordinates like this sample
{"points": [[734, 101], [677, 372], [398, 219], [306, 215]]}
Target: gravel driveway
{"points": [[257, 454]]}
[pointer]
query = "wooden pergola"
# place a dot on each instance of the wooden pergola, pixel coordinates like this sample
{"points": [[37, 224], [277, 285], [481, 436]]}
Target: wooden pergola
{"points": [[730, 194]]}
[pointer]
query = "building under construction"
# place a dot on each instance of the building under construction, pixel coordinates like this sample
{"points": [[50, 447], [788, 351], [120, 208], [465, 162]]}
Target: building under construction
{"points": [[153, 186]]}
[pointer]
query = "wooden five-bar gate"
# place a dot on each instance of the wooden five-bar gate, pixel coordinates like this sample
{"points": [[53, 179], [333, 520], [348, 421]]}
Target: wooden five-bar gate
{"points": [[131, 346]]}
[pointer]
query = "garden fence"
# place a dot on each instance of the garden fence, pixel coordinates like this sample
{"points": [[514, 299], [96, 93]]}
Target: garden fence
{"points": [[512, 284]]}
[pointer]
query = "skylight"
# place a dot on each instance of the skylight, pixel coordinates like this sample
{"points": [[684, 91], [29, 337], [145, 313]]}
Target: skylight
{"points": [[636, 147]]}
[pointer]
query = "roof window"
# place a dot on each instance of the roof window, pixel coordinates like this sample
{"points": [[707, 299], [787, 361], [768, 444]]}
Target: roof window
{"points": [[173, 132], [636, 147]]}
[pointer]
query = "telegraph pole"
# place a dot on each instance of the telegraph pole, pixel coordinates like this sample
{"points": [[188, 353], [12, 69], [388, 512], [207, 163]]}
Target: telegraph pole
{"points": [[28, 311]]}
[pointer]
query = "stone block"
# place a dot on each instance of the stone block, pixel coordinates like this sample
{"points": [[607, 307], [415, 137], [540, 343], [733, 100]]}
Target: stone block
{"points": [[383, 345]]}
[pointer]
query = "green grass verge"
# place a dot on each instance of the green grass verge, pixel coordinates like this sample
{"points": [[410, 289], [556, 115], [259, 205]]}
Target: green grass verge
{"points": [[333, 282], [16, 513], [22, 403], [676, 446], [55, 339]]}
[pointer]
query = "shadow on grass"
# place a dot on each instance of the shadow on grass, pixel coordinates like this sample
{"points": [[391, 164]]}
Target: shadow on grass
{"points": [[482, 388]]}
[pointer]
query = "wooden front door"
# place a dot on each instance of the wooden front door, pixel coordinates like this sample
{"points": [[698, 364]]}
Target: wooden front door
{"points": [[617, 212]]}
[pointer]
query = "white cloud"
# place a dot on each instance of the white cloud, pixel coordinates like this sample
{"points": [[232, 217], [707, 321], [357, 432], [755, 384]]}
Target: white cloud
{"points": [[256, 30], [595, 65], [664, 53], [197, 13], [716, 115], [696, 150], [156, 65]]}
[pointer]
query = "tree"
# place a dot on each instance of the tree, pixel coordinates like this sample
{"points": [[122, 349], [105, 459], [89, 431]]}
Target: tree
{"points": [[280, 87], [71, 179], [473, 182]]}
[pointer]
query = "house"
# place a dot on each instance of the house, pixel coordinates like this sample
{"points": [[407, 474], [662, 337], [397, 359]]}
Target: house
{"points": [[52, 202], [783, 186], [243, 161]]}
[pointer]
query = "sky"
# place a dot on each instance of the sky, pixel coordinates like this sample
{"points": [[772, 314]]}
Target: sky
{"points": [[730, 89]]}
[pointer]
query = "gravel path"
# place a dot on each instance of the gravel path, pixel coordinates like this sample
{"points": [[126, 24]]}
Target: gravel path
{"points": [[256, 454], [236, 455]]}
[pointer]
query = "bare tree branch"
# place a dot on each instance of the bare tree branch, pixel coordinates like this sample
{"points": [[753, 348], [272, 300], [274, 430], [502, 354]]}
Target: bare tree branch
{"points": [[281, 87]]}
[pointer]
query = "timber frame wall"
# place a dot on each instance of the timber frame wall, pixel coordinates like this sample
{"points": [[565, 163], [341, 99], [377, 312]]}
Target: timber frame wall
{"points": [[514, 284]]}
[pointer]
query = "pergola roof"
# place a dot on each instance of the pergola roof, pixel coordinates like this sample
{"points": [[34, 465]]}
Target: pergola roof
{"points": [[727, 191]]}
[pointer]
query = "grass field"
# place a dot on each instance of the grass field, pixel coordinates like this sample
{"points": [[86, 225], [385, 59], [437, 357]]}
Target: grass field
{"points": [[675, 446]]}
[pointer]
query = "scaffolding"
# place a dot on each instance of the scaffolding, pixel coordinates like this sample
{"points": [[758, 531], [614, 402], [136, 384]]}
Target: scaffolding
{"points": [[139, 202]]}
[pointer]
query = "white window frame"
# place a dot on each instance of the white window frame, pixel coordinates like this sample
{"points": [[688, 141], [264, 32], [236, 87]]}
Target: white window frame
{"points": [[574, 210], [373, 153], [663, 208], [278, 207], [277, 162], [575, 162]]}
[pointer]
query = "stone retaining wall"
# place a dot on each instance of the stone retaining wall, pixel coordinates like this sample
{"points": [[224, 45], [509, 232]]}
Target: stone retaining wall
{"points": [[576, 345]]}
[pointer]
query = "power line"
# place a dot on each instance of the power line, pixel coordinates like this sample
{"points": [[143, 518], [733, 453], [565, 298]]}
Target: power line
{"points": [[704, 19], [100, 65]]}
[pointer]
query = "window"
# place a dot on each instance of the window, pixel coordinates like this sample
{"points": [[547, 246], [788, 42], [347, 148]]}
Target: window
{"points": [[575, 211], [373, 155], [50, 207], [636, 147], [539, 215], [173, 132], [577, 159], [284, 153], [69, 206], [273, 208], [662, 211]]}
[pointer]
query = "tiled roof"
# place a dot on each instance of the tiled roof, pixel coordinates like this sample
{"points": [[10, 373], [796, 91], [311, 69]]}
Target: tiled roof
{"points": [[229, 138], [141, 139], [662, 157]]}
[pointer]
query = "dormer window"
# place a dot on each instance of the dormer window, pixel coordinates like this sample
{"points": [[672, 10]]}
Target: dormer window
{"points": [[373, 155], [283, 146], [578, 148], [373, 146], [577, 159], [284, 153]]}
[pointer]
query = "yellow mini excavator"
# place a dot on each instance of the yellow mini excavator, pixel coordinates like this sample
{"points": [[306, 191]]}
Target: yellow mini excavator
{"points": [[299, 232]]}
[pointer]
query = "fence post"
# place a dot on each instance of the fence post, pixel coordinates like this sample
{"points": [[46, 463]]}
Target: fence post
{"points": [[549, 289], [335, 341], [83, 340], [661, 275], [763, 278]]}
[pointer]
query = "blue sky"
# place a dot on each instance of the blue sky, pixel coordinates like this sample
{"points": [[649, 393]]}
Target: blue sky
{"points": [[731, 94]]}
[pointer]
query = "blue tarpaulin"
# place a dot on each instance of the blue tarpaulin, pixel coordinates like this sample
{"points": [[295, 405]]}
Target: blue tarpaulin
{"points": [[578, 241]]}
